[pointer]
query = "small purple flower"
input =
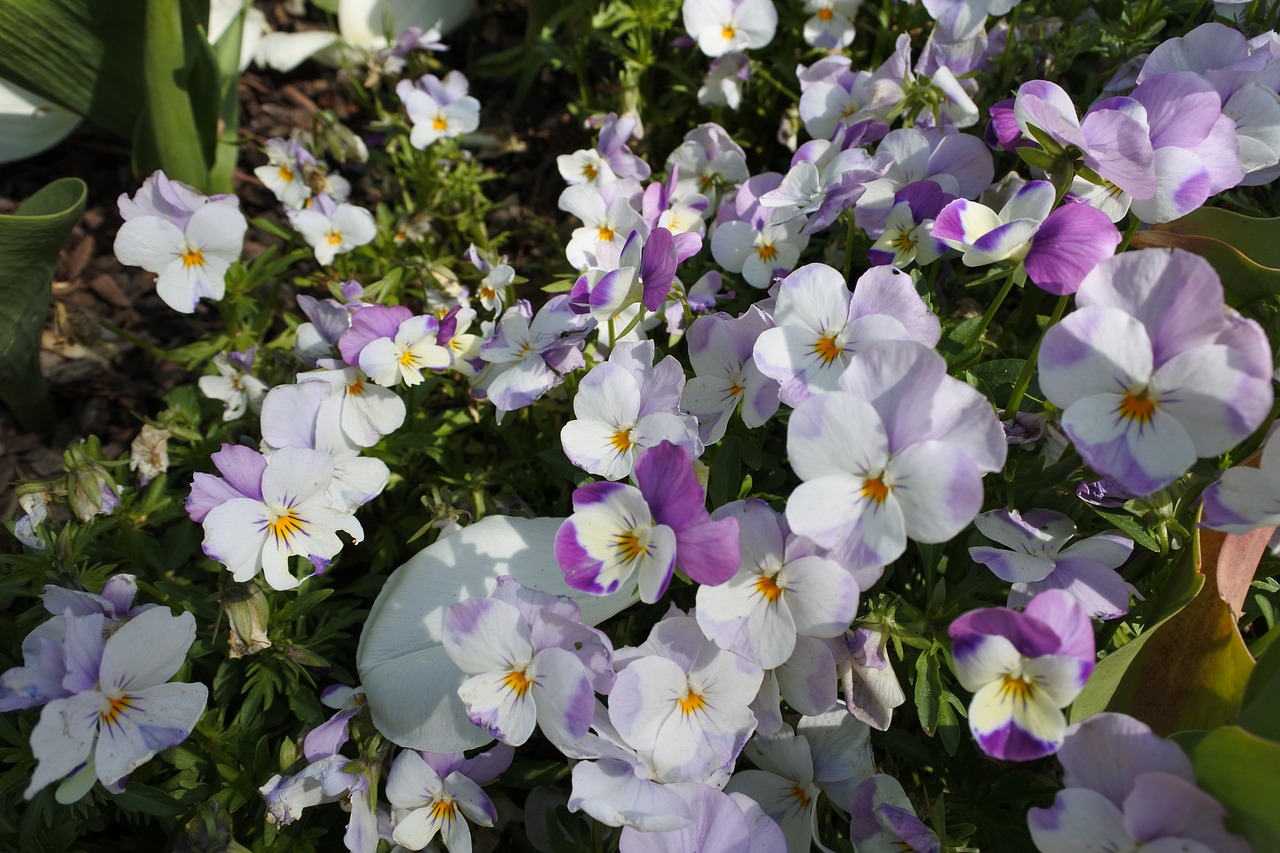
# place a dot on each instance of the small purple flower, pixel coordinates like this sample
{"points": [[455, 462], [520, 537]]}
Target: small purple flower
{"points": [[1040, 559]]}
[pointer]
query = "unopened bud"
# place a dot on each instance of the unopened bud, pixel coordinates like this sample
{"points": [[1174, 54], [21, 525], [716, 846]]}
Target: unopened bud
{"points": [[249, 614]]}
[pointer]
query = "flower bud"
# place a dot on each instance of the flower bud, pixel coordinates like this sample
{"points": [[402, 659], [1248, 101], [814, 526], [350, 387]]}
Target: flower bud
{"points": [[249, 613]]}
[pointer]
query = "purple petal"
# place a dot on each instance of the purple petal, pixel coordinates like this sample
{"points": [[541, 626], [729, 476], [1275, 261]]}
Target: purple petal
{"points": [[367, 325], [1073, 240]]}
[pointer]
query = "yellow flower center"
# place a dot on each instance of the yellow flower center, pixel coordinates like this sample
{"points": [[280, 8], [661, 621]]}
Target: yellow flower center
{"points": [[903, 242], [801, 796], [356, 388], [444, 810], [285, 525], [691, 702], [621, 440], [334, 238], [767, 252], [408, 359], [192, 258], [1138, 406], [111, 709], [874, 488], [440, 123], [727, 32], [630, 547], [590, 171], [827, 348], [1015, 687], [285, 173], [517, 682], [768, 588], [825, 14], [604, 234]]}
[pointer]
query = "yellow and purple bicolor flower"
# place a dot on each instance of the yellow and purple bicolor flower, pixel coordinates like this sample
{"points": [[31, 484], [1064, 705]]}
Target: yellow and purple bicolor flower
{"points": [[1023, 669], [618, 532]]}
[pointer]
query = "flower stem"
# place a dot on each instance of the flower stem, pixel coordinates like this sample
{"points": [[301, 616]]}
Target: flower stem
{"points": [[992, 308], [1024, 379]]}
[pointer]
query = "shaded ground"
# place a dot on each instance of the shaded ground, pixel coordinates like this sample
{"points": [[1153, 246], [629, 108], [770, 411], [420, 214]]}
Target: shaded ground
{"points": [[102, 383]]}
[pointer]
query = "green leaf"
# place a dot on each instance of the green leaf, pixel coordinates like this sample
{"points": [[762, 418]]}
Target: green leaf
{"points": [[1239, 769], [1245, 250], [179, 122], [148, 800], [1262, 698], [30, 240], [1128, 524], [1190, 671], [83, 55]]}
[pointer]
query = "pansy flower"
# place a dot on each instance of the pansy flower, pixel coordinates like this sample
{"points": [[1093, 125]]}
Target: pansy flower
{"points": [[1023, 668]]}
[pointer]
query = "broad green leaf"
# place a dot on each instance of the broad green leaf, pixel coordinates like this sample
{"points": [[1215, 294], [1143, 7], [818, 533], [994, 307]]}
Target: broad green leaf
{"points": [[1128, 524], [1239, 769], [83, 55], [1259, 708], [1245, 250], [1190, 671], [30, 240], [178, 124]]}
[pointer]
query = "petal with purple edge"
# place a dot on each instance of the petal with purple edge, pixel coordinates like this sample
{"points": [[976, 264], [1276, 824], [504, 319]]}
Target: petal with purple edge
{"points": [[1107, 751], [154, 719], [1079, 819], [1015, 720], [1143, 457]]}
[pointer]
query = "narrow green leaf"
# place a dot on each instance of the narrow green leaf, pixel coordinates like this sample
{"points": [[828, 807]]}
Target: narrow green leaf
{"points": [[1128, 524], [30, 240]]}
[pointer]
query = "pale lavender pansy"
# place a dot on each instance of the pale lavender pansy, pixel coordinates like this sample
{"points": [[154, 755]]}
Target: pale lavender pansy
{"points": [[826, 754], [1152, 371], [1127, 789], [121, 710], [897, 451], [438, 109], [727, 379], [1041, 559], [819, 326], [333, 228], [884, 821], [426, 803], [722, 823], [625, 406], [529, 354], [1245, 498], [1023, 668], [782, 588], [708, 161], [683, 701], [188, 240], [1113, 142], [727, 26], [368, 411], [608, 215], [287, 513], [525, 651]]}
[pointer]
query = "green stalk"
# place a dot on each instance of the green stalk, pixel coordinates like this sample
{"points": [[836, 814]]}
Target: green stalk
{"points": [[990, 313], [1024, 379], [170, 114]]}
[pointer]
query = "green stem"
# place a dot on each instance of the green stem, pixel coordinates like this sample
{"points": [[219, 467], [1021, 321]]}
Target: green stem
{"points": [[851, 235], [1024, 379], [992, 308], [1128, 235], [148, 348], [758, 70]]}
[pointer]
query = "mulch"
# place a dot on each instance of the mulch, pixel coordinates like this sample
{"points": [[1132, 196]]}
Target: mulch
{"points": [[104, 385]]}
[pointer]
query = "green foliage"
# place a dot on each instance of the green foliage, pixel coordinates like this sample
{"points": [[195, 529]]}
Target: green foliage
{"points": [[30, 240]]}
